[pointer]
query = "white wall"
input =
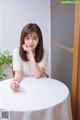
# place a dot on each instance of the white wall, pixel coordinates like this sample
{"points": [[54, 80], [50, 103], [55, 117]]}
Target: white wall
{"points": [[15, 14]]}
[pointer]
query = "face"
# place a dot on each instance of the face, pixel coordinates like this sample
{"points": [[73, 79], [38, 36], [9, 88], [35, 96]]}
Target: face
{"points": [[31, 40]]}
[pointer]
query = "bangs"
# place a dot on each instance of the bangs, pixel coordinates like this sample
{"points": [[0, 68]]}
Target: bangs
{"points": [[29, 30]]}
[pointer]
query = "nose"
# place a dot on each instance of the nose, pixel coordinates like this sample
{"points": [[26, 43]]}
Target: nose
{"points": [[31, 41]]}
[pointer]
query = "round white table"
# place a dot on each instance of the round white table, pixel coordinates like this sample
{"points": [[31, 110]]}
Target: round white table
{"points": [[37, 99]]}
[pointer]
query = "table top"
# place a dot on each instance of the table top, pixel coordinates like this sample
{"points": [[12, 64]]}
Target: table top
{"points": [[34, 94]]}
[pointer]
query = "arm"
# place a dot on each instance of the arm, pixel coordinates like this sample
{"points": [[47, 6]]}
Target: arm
{"points": [[38, 71], [16, 80], [17, 70], [18, 75]]}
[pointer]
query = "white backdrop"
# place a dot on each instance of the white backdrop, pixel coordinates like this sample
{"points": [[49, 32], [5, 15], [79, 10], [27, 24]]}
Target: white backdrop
{"points": [[14, 14]]}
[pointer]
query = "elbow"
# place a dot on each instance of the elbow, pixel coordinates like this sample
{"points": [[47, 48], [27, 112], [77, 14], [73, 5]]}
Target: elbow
{"points": [[37, 76]]}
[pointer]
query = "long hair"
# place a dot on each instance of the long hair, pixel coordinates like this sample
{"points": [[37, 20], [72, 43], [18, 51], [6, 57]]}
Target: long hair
{"points": [[31, 27]]}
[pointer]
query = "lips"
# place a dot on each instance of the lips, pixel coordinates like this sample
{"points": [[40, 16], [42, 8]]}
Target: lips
{"points": [[30, 45]]}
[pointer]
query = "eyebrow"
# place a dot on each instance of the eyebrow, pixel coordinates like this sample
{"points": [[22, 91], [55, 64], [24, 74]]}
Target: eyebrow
{"points": [[32, 36], [35, 36]]}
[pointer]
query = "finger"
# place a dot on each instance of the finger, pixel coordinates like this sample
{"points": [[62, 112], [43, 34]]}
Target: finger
{"points": [[23, 46], [13, 84], [14, 88]]}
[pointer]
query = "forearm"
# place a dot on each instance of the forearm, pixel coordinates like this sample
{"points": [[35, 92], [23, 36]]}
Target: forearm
{"points": [[18, 76], [35, 68]]}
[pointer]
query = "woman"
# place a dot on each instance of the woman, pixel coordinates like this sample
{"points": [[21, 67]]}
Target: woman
{"points": [[30, 59]]}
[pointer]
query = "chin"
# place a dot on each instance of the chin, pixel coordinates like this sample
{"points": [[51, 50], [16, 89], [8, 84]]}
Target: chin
{"points": [[32, 48]]}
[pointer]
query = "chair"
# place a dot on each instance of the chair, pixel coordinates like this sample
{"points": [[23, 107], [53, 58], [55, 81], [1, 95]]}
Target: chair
{"points": [[46, 74]]}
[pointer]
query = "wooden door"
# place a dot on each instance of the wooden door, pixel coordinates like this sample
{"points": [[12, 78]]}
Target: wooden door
{"points": [[76, 68], [77, 91], [65, 39]]}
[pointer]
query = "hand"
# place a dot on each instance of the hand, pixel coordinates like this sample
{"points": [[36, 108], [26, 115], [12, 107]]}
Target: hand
{"points": [[14, 85], [26, 48]]}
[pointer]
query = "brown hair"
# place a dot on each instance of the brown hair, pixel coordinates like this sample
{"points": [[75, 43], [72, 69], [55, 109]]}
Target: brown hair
{"points": [[31, 27]]}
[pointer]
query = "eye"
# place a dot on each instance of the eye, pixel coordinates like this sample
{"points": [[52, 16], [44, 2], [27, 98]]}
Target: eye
{"points": [[35, 38], [26, 38]]}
